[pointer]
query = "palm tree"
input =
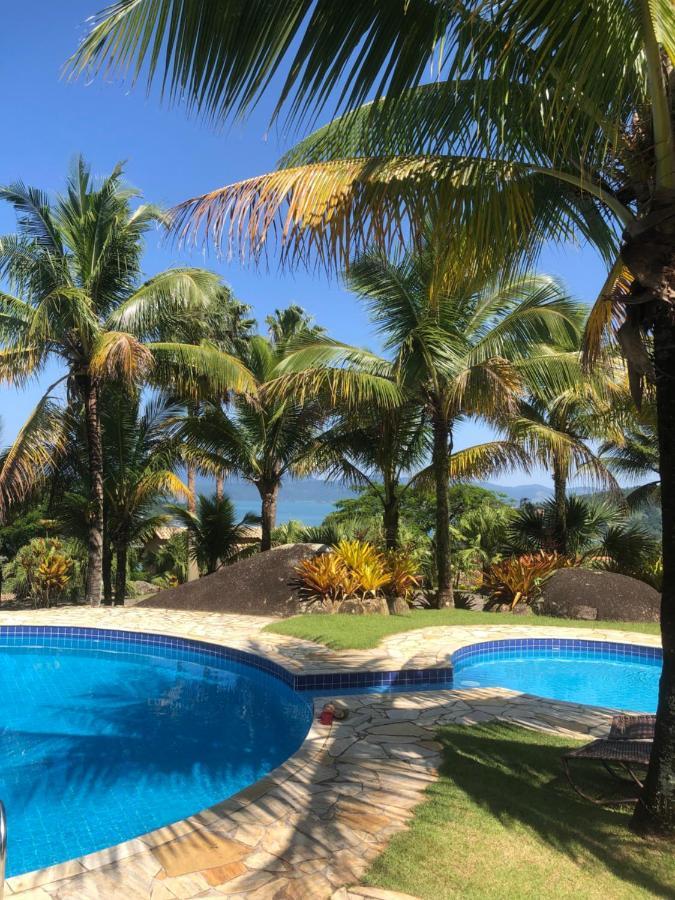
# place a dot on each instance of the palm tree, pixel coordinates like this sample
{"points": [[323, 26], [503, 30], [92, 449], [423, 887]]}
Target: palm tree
{"points": [[223, 323], [287, 324], [635, 453], [556, 431], [458, 351], [597, 530], [377, 449], [74, 268], [216, 534], [266, 436], [140, 459], [545, 121]]}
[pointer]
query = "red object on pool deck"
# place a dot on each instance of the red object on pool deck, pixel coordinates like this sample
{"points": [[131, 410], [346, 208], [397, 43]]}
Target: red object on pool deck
{"points": [[327, 716]]}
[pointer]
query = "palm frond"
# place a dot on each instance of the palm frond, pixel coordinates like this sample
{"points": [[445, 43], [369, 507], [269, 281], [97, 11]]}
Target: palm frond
{"points": [[331, 211], [121, 356], [198, 371], [174, 292], [34, 453]]}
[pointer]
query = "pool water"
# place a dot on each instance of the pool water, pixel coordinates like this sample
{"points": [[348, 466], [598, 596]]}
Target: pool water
{"points": [[620, 682], [99, 746]]}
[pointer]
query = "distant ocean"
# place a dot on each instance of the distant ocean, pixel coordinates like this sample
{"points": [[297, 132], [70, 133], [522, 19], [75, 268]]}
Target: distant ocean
{"points": [[310, 500], [307, 500]]}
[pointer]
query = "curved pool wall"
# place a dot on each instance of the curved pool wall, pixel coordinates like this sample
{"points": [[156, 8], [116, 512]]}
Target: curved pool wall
{"points": [[612, 674], [107, 735]]}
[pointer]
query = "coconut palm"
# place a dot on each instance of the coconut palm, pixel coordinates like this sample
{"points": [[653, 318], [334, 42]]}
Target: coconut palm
{"points": [[216, 535], [74, 268], [377, 449], [141, 456], [543, 121], [263, 438], [635, 454], [556, 431], [458, 351], [223, 323]]}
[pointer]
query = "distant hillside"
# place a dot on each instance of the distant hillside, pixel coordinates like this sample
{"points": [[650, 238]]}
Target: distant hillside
{"points": [[313, 489], [518, 492], [318, 490]]}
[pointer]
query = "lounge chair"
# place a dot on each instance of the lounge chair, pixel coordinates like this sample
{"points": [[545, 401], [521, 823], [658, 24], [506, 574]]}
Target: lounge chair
{"points": [[626, 748]]}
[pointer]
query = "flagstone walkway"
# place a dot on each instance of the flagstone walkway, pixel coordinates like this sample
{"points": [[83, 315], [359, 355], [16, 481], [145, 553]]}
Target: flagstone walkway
{"points": [[310, 828]]}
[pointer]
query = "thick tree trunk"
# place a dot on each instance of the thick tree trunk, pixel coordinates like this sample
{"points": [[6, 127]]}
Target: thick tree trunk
{"points": [[269, 494], [192, 567], [440, 462], [560, 499], [107, 573], [121, 551], [94, 580], [391, 519], [655, 812], [220, 487]]}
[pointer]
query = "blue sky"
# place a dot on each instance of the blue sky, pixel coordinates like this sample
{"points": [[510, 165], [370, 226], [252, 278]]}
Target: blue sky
{"points": [[47, 120]]}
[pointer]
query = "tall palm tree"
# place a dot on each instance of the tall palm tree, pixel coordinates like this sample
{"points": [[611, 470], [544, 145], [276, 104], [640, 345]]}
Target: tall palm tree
{"points": [[265, 437], [460, 350], [454, 349], [377, 449], [141, 456], [545, 121], [223, 323], [74, 269], [556, 431]]}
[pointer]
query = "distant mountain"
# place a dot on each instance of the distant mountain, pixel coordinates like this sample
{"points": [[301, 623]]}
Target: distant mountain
{"points": [[518, 492], [319, 491], [298, 489]]}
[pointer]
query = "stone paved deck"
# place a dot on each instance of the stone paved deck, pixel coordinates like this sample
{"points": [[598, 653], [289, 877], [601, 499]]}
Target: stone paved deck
{"points": [[310, 828]]}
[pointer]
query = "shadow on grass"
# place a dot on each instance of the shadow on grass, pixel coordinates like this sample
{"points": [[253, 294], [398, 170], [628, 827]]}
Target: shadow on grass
{"points": [[515, 775]]}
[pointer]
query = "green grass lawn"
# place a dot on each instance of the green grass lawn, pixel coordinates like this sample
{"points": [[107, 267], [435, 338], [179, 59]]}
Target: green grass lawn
{"points": [[502, 822], [360, 632]]}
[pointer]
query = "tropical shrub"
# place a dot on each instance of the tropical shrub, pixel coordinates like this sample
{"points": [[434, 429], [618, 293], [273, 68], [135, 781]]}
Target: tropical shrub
{"points": [[47, 569], [518, 578]]}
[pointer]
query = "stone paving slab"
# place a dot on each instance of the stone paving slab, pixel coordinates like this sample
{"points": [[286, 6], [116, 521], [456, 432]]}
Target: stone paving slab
{"points": [[311, 828]]}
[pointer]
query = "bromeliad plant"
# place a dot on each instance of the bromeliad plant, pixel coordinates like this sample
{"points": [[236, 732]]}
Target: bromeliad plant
{"points": [[518, 578], [356, 569]]}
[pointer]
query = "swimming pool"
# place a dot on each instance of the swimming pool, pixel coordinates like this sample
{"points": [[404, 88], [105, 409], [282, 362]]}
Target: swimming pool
{"points": [[107, 735], [596, 673]]}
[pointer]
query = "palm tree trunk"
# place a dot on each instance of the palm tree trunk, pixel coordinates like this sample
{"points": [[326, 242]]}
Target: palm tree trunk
{"points": [[121, 550], [655, 812], [220, 487], [192, 567], [441, 466], [107, 572], [269, 494], [94, 581], [560, 499], [391, 516]]}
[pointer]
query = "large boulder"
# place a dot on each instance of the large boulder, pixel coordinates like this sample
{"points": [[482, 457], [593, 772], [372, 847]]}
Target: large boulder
{"points": [[260, 585], [358, 606], [573, 593]]}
